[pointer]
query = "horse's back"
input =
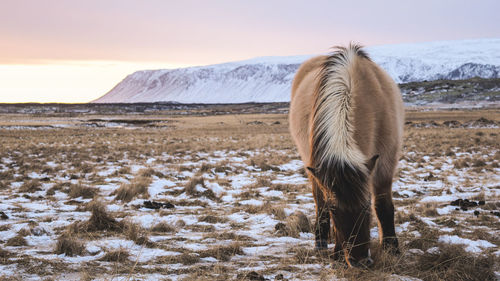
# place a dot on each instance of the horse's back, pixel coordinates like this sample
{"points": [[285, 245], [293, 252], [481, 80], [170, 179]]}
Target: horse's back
{"points": [[303, 87], [378, 115]]}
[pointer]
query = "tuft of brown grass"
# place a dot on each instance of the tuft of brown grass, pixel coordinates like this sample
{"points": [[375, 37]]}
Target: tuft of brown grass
{"points": [[262, 181], [149, 172], [100, 220], [213, 219], [24, 232], [201, 227], [138, 186], [123, 170], [263, 164], [478, 163], [429, 209], [137, 234], [184, 258], [59, 186], [4, 227], [4, 254], [304, 255], [451, 262], [223, 252], [190, 189], [462, 163], [277, 211], [78, 190], [31, 186], [428, 237], [120, 255], [227, 235], [294, 224], [68, 245], [163, 227], [454, 263], [17, 241]]}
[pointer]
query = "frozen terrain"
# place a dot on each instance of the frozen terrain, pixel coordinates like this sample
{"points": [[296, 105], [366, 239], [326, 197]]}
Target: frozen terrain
{"points": [[268, 79], [241, 206]]}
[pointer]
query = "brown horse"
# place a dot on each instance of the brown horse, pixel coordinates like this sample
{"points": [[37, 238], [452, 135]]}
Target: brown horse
{"points": [[346, 118]]}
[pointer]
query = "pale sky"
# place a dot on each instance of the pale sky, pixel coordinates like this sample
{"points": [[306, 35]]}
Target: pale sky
{"points": [[76, 51]]}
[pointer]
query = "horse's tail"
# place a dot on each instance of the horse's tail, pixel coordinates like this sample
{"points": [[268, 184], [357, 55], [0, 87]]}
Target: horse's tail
{"points": [[335, 155]]}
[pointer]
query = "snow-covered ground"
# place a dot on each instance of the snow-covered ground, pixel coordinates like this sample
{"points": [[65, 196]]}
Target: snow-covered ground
{"points": [[227, 224]]}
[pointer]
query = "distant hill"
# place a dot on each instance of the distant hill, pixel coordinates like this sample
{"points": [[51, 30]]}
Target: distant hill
{"points": [[268, 79], [452, 91]]}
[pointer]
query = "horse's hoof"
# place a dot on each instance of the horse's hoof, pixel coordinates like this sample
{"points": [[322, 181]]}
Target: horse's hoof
{"points": [[338, 255], [391, 246], [364, 263], [394, 251]]}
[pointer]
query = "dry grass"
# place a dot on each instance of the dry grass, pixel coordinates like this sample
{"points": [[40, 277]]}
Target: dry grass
{"points": [[31, 186], [223, 252], [100, 220], [120, 255], [213, 219], [429, 210], [190, 188], [451, 262], [294, 224], [278, 211], [138, 187], [17, 241], [184, 258], [455, 263], [163, 227], [79, 190], [5, 227], [4, 254], [69, 245], [137, 234], [263, 146]]}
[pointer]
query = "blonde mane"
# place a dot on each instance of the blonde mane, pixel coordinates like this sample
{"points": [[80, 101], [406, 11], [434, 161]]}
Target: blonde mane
{"points": [[332, 143], [332, 133]]}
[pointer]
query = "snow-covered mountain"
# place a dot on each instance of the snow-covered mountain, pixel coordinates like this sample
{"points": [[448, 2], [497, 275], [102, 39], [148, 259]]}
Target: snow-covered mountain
{"points": [[268, 79]]}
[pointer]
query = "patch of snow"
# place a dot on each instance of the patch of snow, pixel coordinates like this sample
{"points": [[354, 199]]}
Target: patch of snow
{"points": [[445, 210], [293, 165], [293, 179], [272, 193], [253, 202], [194, 246], [158, 186], [474, 246], [215, 187], [209, 259]]}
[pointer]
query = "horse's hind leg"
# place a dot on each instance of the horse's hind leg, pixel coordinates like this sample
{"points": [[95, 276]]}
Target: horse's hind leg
{"points": [[385, 211], [322, 218]]}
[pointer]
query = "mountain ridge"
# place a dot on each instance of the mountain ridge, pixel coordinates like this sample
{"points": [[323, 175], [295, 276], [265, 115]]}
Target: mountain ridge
{"points": [[268, 79]]}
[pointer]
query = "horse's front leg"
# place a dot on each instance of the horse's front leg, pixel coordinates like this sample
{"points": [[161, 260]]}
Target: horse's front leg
{"points": [[322, 218], [338, 250], [384, 209]]}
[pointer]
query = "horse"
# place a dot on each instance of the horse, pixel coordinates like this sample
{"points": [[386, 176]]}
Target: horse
{"points": [[346, 118]]}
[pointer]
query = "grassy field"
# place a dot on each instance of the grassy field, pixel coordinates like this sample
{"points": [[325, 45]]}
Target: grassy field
{"points": [[229, 200]]}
